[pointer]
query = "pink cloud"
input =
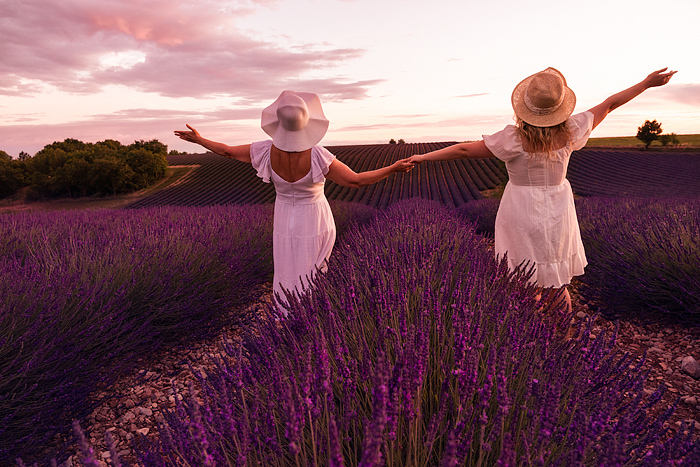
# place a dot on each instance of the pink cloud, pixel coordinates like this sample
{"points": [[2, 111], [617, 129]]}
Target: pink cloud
{"points": [[128, 126], [687, 94], [190, 49]]}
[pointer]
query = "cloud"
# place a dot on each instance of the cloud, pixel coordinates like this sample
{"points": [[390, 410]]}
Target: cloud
{"points": [[686, 94], [474, 95], [175, 49], [495, 121], [130, 125]]}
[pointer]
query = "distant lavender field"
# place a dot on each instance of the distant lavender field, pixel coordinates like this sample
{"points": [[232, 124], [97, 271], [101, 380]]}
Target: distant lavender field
{"points": [[592, 172]]}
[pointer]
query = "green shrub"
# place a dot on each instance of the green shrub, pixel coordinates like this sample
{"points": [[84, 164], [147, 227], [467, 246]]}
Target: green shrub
{"points": [[669, 139]]}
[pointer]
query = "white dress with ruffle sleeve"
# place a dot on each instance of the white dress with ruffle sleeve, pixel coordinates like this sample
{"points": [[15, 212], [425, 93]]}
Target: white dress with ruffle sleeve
{"points": [[303, 229], [536, 221]]}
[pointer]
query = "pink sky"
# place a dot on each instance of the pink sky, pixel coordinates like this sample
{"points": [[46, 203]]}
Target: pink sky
{"points": [[437, 71]]}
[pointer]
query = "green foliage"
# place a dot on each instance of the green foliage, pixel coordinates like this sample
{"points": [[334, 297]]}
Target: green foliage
{"points": [[649, 132], [73, 168], [11, 175], [670, 138]]}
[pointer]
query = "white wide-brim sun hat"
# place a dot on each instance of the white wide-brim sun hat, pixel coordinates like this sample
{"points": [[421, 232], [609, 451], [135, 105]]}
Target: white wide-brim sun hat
{"points": [[295, 121], [543, 99]]}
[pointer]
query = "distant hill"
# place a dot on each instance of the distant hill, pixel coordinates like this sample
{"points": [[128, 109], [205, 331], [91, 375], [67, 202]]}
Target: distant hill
{"points": [[592, 172]]}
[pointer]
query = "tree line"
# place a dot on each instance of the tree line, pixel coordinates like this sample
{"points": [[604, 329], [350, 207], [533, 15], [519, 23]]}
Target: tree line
{"points": [[72, 168]]}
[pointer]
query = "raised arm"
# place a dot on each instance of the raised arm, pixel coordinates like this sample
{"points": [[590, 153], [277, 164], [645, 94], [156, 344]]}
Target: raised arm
{"points": [[472, 150], [241, 153], [657, 78], [341, 174]]}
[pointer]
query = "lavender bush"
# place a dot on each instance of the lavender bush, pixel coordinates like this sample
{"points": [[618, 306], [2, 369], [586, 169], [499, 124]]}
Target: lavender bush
{"points": [[349, 215], [418, 348], [83, 293], [644, 256], [483, 214]]}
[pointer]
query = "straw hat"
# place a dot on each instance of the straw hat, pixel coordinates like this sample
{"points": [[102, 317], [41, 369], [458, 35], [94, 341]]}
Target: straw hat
{"points": [[295, 121], [543, 99]]}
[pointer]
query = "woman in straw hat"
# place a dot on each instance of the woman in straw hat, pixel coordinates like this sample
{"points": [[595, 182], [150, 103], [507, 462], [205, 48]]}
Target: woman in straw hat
{"points": [[304, 229], [536, 221]]}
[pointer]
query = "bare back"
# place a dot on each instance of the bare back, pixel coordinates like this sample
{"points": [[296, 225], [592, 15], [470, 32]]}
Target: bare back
{"points": [[291, 166]]}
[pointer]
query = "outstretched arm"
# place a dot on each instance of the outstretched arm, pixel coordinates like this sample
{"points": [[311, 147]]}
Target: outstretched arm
{"points": [[341, 174], [473, 150], [241, 153], [657, 78]]}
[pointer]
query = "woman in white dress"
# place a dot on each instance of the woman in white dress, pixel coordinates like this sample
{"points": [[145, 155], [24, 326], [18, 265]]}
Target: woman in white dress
{"points": [[303, 229], [536, 221]]}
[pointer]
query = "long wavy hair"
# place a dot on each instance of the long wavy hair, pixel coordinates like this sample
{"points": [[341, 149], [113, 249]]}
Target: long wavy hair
{"points": [[542, 139]]}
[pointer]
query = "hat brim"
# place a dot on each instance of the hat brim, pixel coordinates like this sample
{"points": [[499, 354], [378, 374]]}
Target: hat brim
{"points": [[299, 140], [561, 114]]}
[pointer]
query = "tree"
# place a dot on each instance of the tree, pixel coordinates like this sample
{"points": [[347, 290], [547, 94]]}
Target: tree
{"points": [[392, 141], [649, 132], [110, 175], [11, 175], [401, 141], [148, 166]]}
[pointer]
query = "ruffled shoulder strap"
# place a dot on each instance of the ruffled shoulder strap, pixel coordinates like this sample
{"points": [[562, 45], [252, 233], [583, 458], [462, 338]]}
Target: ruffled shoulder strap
{"points": [[321, 159], [580, 126], [504, 144], [260, 158]]}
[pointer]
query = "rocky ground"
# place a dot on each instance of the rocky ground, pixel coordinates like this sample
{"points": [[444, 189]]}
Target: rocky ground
{"points": [[135, 404]]}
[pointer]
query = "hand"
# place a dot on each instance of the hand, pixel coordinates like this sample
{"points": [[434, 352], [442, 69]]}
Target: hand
{"points": [[416, 159], [191, 136], [658, 78], [403, 165]]}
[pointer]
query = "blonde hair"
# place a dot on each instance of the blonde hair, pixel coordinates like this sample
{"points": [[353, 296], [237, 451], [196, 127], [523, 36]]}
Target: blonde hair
{"points": [[542, 139]]}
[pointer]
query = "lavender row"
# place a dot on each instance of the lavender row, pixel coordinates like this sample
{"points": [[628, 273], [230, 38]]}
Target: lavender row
{"points": [[218, 180], [595, 172], [418, 348], [84, 293], [644, 256]]}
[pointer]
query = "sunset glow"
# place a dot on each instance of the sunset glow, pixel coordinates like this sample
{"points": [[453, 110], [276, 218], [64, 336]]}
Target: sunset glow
{"points": [[421, 71]]}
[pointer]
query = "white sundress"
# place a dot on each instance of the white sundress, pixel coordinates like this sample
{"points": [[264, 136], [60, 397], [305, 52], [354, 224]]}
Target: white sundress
{"points": [[303, 228], [536, 220]]}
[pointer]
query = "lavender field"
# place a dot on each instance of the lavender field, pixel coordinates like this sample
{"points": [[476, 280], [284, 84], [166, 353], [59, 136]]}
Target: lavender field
{"points": [[219, 180], [592, 172], [417, 348]]}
